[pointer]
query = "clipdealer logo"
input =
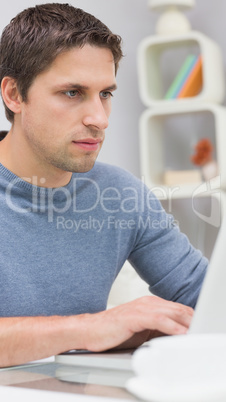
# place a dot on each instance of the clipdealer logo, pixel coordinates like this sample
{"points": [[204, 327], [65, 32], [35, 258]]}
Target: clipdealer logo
{"points": [[112, 222], [210, 189], [110, 199]]}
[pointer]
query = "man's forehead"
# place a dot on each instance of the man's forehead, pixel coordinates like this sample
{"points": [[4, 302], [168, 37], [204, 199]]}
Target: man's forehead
{"points": [[83, 68], [86, 56]]}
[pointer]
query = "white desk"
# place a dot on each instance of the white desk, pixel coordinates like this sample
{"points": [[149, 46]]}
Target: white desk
{"points": [[66, 379]]}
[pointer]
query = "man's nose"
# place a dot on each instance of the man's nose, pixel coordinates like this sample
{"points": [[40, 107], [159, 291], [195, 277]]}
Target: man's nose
{"points": [[95, 115]]}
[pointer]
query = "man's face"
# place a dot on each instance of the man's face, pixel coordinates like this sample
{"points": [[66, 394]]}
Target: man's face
{"points": [[62, 123]]}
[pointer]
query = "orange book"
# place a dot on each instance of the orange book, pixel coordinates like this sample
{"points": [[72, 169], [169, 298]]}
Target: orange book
{"points": [[194, 83]]}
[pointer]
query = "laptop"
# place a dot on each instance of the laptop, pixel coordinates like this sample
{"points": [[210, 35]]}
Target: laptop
{"points": [[210, 311], [209, 315]]}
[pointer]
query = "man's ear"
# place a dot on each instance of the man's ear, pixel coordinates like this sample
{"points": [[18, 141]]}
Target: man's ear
{"points": [[10, 94]]}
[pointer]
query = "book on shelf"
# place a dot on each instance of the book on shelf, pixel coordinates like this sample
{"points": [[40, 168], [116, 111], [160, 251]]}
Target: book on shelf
{"points": [[193, 85], [188, 81], [182, 177]]}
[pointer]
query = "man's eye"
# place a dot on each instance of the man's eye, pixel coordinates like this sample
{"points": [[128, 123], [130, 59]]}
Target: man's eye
{"points": [[72, 94], [106, 94]]}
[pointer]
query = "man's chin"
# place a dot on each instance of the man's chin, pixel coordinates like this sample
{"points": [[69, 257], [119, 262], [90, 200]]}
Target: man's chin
{"points": [[83, 168]]}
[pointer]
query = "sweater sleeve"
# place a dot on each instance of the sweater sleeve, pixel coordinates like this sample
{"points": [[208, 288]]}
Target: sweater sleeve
{"points": [[165, 259]]}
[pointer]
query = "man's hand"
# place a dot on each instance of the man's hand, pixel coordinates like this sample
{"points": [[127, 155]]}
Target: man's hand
{"points": [[23, 339], [131, 324]]}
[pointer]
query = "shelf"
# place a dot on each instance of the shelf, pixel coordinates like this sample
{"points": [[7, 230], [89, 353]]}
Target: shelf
{"points": [[159, 138], [159, 60], [182, 84]]}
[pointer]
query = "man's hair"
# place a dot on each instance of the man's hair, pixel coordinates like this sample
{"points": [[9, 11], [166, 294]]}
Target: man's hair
{"points": [[34, 38]]}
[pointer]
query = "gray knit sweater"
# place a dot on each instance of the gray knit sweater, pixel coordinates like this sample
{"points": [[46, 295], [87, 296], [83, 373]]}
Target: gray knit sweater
{"points": [[61, 249]]}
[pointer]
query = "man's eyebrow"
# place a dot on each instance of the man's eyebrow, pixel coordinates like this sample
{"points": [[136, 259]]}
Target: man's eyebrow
{"points": [[71, 85], [112, 87]]}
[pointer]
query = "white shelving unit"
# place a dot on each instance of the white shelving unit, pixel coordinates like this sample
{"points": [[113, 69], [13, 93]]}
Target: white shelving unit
{"points": [[170, 128], [152, 80], [153, 135]]}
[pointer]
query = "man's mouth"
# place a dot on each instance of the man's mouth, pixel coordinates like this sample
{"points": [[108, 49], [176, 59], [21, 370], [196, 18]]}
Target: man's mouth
{"points": [[88, 144]]}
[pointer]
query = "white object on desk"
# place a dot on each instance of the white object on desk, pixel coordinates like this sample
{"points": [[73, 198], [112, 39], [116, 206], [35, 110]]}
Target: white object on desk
{"points": [[108, 360], [185, 368]]}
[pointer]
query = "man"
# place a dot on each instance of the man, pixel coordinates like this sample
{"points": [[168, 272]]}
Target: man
{"points": [[68, 224]]}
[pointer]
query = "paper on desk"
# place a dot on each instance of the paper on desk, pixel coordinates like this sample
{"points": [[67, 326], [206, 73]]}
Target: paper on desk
{"points": [[46, 360], [28, 395]]}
